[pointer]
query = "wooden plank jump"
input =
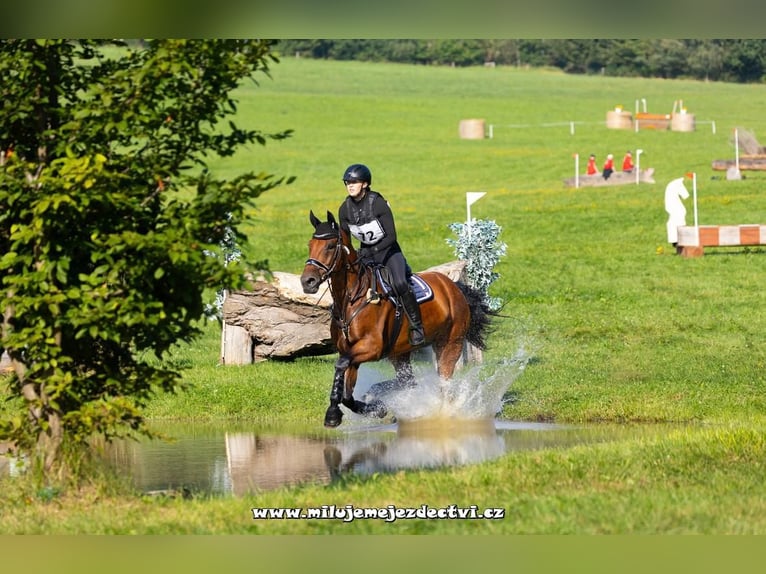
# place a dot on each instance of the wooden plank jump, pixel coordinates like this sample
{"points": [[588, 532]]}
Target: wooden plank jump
{"points": [[718, 236], [653, 121]]}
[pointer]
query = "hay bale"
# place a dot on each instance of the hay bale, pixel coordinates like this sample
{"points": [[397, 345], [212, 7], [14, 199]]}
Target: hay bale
{"points": [[472, 129]]}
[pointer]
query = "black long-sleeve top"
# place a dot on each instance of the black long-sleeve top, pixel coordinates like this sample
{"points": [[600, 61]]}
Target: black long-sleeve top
{"points": [[371, 221]]}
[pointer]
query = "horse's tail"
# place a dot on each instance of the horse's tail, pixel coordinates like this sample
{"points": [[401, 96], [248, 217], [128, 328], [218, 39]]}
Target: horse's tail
{"points": [[481, 315]]}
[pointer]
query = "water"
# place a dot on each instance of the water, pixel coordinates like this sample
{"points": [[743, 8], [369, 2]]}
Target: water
{"points": [[474, 393], [224, 461], [436, 424]]}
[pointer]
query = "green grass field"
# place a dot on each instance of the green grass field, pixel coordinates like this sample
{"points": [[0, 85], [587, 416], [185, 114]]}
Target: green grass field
{"points": [[618, 327]]}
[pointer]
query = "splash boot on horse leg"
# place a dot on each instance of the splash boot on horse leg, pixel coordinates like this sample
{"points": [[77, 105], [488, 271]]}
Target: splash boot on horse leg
{"points": [[333, 416]]}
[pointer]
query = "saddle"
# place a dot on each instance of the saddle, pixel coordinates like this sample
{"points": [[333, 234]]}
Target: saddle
{"points": [[382, 286]]}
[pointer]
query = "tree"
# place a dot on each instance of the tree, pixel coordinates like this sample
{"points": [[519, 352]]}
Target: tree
{"points": [[745, 60], [110, 223]]}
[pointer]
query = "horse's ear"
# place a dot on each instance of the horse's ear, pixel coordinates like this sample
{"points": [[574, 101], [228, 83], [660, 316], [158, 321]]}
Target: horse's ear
{"points": [[331, 219], [314, 219]]}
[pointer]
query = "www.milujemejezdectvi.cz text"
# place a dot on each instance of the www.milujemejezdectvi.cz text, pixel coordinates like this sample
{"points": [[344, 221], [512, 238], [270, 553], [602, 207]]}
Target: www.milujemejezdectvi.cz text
{"points": [[389, 513]]}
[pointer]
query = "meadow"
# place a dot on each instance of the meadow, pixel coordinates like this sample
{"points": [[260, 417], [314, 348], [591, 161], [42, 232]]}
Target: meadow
{"points": [[617, 327]]}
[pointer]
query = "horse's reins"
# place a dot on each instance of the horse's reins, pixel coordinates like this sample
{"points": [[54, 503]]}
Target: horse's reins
{"points": [[329, 269]]}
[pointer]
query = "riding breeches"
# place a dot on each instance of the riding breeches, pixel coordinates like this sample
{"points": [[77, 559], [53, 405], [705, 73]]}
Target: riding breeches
{"points": [[399, 272]]}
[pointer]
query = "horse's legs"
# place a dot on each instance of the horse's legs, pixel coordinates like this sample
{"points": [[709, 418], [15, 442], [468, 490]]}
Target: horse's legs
{"points": [[447, 356], [348, 388], [405, 378], [373, 408], [334, 415]]}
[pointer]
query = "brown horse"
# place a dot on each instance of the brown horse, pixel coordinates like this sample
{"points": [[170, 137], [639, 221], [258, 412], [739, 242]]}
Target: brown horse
{"points": [[367, 326]]}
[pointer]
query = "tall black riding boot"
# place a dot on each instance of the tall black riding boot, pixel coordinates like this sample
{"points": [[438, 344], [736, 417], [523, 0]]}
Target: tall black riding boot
{"points": [[417, 336]]}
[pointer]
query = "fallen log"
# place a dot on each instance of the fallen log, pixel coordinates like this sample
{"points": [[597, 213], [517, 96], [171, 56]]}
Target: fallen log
{"points": [[276, 320], [746, 162], [617, 178]]}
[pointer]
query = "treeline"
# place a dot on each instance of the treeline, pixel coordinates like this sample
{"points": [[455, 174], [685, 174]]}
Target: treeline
{"points": [[732, 60]]}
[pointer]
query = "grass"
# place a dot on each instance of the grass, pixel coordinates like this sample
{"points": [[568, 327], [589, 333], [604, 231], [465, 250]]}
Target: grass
{"points": [[620, 329]]}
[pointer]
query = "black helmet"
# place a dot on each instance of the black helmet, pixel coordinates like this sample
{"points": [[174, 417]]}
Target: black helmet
{"points": [[357, 172]]}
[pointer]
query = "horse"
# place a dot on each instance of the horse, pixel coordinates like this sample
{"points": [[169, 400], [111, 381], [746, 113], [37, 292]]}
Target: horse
{"points": [[674, 192], [366, 325]]}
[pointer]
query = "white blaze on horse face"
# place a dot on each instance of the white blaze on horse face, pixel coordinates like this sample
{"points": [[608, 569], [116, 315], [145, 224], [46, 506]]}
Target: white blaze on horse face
{"points": [[674, 192]]}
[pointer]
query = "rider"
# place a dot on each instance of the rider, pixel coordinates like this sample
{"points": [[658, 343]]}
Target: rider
{"points": [[366, 215]]}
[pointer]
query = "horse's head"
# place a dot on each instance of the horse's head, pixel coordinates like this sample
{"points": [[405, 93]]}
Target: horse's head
{"points": [[674, 192], [327, 251]]}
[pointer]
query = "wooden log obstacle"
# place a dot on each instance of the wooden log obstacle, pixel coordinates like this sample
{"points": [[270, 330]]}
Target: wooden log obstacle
{"points": [[689, 245], [275, 319], [745, 162]]}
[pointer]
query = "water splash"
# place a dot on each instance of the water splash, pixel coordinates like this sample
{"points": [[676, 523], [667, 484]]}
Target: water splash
{"points": [[475, 392]]}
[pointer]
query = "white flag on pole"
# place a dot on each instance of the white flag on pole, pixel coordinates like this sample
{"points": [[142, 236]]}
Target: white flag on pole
{"points": [[472, 197]]}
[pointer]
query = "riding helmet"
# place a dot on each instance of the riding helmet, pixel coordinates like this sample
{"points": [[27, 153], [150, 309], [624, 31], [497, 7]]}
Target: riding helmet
{"points": [[358, 172]]}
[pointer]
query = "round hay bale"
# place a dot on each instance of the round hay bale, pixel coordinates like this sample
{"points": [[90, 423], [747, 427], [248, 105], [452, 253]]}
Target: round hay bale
{"points": [[682, 123], [472, 129], [619, 120]]}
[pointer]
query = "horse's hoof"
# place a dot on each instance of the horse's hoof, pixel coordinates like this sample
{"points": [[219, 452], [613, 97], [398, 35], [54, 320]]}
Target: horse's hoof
{"points": [[333, 417], [375, 409]]}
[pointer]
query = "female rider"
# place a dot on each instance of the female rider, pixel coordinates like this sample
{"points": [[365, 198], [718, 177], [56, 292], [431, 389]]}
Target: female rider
{"points": [[366, 215]]}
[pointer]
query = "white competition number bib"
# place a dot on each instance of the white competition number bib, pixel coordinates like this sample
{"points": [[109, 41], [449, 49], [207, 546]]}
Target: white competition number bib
{"points": [[369, 233]]}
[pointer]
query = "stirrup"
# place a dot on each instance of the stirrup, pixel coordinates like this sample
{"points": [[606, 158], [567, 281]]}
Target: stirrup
{"points": [[420, 334]]}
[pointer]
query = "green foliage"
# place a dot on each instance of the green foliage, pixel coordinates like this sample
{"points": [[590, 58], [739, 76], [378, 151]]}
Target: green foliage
{"points": [[477, 244], [110, 220], [732, 60]]}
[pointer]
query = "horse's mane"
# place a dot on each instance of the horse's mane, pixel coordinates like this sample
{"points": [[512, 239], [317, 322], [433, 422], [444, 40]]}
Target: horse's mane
{"points": [[352, 256]]}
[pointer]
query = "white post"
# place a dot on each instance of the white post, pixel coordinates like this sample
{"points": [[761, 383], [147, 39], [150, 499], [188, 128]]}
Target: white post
{"points": [[571, 128], [696, 219], [470, 198], [491, 131], [577, 170], [736, 148], [638, 164], [713, 126]]}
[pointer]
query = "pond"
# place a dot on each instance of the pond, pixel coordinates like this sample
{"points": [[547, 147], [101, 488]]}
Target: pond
{"points": [[219, 460], [227, 459], [433, 425]]}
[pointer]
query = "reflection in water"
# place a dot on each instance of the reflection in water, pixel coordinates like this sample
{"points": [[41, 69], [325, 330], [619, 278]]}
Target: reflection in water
{"points": [[270, 461], [424, 444], [239, 462]]}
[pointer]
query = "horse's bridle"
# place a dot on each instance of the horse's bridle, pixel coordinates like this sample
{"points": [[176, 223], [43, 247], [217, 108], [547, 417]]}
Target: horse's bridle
{"points": [[328, 270]]}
